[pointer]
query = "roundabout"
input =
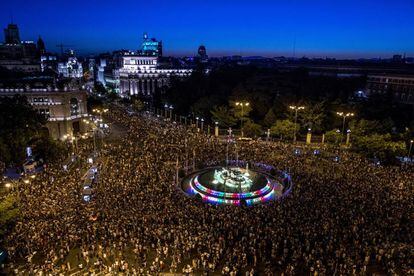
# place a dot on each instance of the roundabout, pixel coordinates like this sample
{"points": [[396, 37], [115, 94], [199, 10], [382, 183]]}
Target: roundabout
{"points": [[237, 184]]}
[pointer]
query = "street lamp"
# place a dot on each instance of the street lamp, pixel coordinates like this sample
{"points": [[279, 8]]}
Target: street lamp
{"points": [[171, 108], [68, 137], [202, 124], [344, 116], [296, 109], [336, 139], [411, 147], [242, 104]]}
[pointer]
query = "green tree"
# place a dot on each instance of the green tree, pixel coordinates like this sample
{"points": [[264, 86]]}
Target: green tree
{"points": [[313, 116], [251, 129], [223, 115], [379, 145], [367, 127], [9, 211], [50, 150], [241, 111], [284, 129], [333, 136]]}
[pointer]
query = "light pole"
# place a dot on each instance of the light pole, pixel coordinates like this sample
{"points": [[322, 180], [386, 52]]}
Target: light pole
{"points": [[336, 140], [94, 129], [197, 123], [71, 139], [348, 137], [309, 136], [411, 147], [242, 104], [171, 108], [344, 116], [202, 125], [296, 109]]}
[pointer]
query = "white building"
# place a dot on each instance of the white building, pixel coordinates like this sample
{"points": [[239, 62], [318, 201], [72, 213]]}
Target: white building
{"points": [[139, 75], [70, 69]]}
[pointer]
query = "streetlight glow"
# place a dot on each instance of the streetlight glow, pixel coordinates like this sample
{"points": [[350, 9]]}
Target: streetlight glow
{"points": [[344, 116], [242, 104], [296, 109]]}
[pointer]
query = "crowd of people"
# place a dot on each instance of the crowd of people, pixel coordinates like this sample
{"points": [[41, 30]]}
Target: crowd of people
{"points": [[342, 218]]}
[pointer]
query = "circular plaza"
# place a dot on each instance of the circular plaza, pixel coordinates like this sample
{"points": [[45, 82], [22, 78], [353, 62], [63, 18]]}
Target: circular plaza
{"points": [[237, 184]]}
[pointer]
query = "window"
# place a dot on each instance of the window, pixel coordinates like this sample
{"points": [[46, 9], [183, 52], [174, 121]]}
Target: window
{"points": [[74, 107]]}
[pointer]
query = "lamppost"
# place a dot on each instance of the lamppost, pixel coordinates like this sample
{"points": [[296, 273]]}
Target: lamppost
{"points": [[344, 116], [411, 147], [197, 123], [216, 129], [94, 129], [309, 136], [72, 139], [100, 111], [171, 108], [348, 137], [14, 186], [296, 109], [242, 104], [202, 125], [336, 140]]}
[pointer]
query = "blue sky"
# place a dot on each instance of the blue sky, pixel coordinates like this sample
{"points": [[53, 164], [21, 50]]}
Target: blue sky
{"points": [[320, 28]]}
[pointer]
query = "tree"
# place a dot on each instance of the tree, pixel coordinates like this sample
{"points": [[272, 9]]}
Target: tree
{"points": [[379, 145], [241, 112], [9, 211], [251, 129], [367, 127], [19, 124], [284, 129], [313, 116], [223, 115], [270, 118], [49, 149], [333, 136]]}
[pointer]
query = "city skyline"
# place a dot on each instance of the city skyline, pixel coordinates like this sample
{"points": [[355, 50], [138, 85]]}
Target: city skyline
{"points": [[370, 29]]}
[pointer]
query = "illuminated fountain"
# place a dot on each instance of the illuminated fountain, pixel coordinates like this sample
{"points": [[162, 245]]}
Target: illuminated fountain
{"points": [[236, 185]]}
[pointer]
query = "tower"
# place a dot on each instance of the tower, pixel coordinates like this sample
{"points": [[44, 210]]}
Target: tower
{"points": [[41, 46], [202, 53], [11, 34]]}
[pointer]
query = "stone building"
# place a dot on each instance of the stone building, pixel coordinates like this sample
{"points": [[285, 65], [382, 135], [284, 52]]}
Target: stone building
{"points": [[400, 86], [64, 109], [139, 75]]}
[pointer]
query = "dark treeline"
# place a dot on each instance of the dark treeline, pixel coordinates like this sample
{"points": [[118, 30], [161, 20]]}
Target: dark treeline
{"points": [[378, 120], [272, 89], [20, 127]]}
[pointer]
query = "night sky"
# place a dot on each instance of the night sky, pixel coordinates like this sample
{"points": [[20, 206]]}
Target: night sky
{"points": [[333, 28]]}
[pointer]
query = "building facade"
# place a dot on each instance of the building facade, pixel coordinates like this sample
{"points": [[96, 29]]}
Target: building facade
{"points": [[63, 109], [11, 34], [401, 87], [139, 75], [72, 68], [19, 55], [151, 46]]}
